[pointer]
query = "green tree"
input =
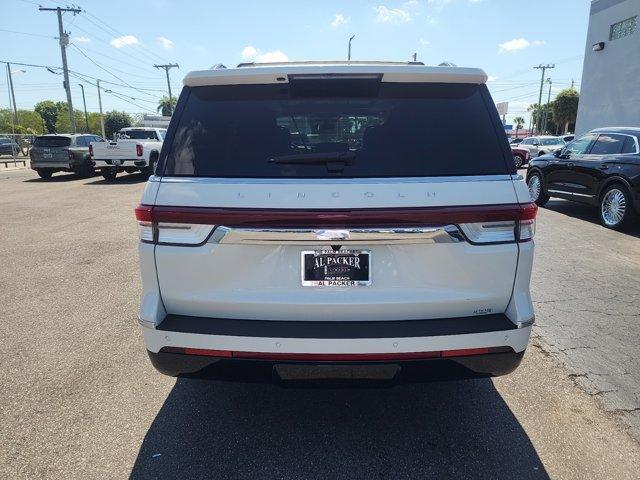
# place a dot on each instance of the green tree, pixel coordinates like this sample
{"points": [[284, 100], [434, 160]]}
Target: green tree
{"points": [[519, 121], [565, 108], [166, 105], [49, 111], [114, 121]]}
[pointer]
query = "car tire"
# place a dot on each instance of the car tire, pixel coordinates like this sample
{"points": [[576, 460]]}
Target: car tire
{"points": [[86, 171], [109, 174], [616, 208], [518, 160], [536, 189], [45, 173], [148, 171]]}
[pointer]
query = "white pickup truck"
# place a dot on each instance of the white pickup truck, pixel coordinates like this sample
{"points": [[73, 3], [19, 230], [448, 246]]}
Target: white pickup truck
{"points": [[133, 149]]}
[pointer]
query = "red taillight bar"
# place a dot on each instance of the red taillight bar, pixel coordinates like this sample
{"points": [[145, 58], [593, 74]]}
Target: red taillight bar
{"points": [[366, 217], [335, 357]]}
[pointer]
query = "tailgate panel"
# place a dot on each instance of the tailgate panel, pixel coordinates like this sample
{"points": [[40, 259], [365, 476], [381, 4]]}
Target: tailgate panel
{"points": [[408, 281]]}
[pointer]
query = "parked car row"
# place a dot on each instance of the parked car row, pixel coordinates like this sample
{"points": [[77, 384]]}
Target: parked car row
{"points": [[134, 149], [9, 146], [524, 149], [601, 168]]}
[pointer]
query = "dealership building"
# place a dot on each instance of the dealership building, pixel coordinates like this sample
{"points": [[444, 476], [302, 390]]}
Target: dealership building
{"points": [[610, 91]]}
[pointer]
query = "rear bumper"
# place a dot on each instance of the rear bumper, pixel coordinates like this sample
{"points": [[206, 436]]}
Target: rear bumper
{"points": [[401, 351], [336, 373], [137, 163], [41, 164]]}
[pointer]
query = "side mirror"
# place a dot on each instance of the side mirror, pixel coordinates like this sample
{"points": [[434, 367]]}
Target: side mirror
{"points": [[557, 153]]}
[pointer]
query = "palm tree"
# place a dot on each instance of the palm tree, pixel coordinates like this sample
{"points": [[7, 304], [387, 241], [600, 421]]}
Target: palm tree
{"points": [[166, 105], [519, 121]]}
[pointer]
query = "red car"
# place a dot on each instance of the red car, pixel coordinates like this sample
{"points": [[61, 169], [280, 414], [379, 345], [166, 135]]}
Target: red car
{"points": [[521, 156]]}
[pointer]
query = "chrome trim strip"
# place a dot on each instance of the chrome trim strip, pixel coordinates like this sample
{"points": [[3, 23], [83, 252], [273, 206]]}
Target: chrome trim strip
{"points": [[571, 193], [323, 181], [307, 236]]}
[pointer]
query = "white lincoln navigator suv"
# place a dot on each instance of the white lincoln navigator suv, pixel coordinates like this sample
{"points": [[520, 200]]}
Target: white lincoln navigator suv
{"points": [[324, 221]]}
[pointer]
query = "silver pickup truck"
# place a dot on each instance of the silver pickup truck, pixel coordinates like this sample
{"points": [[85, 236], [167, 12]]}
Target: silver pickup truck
{"points": [[134, 149]]}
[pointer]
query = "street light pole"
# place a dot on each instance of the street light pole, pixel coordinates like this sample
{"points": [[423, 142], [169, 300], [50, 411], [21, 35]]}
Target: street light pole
{"points": [[84, 102], [100, 105], [13, 95], [349, 52], [546, 110]]}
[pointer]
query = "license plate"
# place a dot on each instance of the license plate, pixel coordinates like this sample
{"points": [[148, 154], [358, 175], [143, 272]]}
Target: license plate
{"points": [[47, 155], [342, 268]]}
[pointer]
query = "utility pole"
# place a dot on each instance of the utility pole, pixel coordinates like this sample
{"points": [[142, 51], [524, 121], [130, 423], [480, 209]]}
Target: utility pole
{"points": [[546, 110], [543, 68], [168, 67], [84, 102], [100, 105], [64, 41], [13, 95], [572, 83], [415, 57], [349, 51]]}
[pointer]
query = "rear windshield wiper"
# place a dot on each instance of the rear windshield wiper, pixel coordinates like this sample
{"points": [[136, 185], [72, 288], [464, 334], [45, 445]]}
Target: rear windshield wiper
{"points": [[335, 161]]}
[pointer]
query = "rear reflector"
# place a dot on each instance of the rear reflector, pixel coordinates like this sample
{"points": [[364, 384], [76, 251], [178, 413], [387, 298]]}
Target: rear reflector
{"points": [[335, 357], [480, 223]]}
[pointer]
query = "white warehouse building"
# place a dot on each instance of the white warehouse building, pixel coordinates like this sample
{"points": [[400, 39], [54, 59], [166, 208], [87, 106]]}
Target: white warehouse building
{"points": [[610, 91]]}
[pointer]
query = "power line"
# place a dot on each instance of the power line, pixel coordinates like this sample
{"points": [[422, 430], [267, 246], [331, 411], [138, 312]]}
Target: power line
{"points": [[64, 42], [27, 33], [109, 72], [166, 68]]}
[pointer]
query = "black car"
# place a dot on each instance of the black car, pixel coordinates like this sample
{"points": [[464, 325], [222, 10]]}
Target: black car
{"points": [[601, 168], [9, 147]]}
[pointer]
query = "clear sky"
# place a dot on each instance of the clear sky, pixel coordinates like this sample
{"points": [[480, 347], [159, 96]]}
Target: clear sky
{"points": [[120, 40]]}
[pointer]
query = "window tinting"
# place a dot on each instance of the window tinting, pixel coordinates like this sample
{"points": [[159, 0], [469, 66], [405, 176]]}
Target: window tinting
{"points": [[623, 28], [52, 142], [629, 145], [607, 144], [399, 130], [550, 141], [579, 146], [141, 134]]}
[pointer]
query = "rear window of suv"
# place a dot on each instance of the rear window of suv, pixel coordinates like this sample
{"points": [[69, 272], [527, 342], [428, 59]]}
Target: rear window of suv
{"points": [[329, 128], [52, 142]]}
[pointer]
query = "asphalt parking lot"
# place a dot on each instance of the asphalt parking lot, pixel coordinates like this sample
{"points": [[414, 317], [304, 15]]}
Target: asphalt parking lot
{"points": [[79, 398]]}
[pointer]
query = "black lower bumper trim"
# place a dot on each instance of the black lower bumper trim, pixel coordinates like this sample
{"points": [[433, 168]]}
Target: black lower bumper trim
{"points": [[336, 373], [338, 329]]}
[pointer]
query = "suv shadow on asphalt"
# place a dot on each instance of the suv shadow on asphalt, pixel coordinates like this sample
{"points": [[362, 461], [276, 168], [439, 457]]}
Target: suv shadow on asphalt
{"points": [[125, 179], [56, 178], [458, 429], [586, 213]]}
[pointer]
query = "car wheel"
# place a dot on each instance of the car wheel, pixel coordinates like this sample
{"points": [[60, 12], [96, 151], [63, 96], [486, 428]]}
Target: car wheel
{"points": [[148, 171], [109, 174], [45, 173], [517, 159], [536, 189], [86, 171], [616, 208]]}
